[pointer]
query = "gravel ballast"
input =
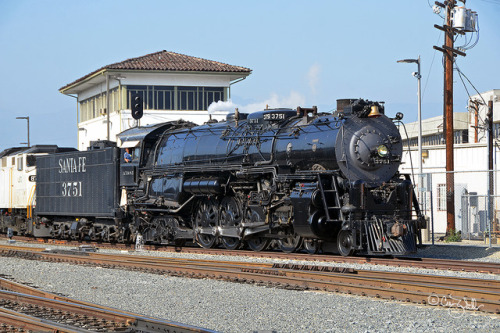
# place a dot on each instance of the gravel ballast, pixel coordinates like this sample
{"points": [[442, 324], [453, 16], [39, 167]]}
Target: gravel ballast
{"points": [[232, 307]]}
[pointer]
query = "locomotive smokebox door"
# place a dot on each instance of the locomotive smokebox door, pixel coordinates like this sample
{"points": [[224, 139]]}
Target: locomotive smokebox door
{"points": [[369, 149]]}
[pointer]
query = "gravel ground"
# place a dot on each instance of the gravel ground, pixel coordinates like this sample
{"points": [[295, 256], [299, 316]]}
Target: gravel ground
{"points": [[231, 307], [464, 250]]}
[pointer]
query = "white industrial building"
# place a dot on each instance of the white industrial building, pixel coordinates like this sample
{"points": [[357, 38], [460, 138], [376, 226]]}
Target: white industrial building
{"points": [[470, 164], [172, 86]]}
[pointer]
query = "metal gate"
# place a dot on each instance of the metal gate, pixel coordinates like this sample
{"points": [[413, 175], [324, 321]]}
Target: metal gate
{"points": [[475, 210]]}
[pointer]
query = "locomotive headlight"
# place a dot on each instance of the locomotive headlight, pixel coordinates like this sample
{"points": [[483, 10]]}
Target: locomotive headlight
{"points": [[382, 151]]}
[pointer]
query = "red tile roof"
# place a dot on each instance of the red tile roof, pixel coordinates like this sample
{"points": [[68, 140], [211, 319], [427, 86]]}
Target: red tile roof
{"points": [[168, 61]]}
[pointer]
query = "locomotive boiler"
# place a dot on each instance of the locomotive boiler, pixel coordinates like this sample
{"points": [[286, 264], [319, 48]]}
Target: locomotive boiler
{"points": [[291, 179]]}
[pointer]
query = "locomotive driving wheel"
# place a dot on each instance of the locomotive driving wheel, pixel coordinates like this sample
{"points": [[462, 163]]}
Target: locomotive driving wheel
{"points": [[230, 216], [311, 246], [290, 242], [344, 243], [258, 244], [205, 220]]}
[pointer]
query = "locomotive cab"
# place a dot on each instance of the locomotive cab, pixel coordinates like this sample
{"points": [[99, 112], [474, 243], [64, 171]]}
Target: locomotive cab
{"points": [[138, 148]]}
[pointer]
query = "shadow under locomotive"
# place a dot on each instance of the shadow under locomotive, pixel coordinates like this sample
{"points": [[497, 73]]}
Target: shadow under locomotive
{"points": [[297, 178]]}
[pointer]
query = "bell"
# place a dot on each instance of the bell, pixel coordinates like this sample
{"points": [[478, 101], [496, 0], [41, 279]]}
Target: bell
{"points": [[374, 113]]}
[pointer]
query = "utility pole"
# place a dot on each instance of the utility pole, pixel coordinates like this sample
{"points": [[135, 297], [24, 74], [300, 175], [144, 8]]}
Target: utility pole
{"points": [[449, 56], [475, 106], [28, 124], [489, 123], [448, 114]]}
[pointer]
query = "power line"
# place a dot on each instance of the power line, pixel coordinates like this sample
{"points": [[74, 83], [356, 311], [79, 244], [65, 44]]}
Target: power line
{"points": [[461, 79], [462, 75], [465, 76], [432, 62], [489, 1]]}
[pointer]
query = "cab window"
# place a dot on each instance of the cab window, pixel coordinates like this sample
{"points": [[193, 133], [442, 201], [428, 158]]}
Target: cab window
{"points": [[20, 163], [30, 160], [131, 155]]}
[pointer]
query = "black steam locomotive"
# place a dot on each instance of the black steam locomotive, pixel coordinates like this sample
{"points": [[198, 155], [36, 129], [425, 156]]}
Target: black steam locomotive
{"points": [[292, 178]]}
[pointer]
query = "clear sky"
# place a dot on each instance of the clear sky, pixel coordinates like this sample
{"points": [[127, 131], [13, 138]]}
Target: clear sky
{"points": [[301, 53]]}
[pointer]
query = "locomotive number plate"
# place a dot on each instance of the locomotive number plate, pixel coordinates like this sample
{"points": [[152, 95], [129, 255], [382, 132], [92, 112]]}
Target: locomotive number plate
{"points": [[71, 189], [274, 116]]}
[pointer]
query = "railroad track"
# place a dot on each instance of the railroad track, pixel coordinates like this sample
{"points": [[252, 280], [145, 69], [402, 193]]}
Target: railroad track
{"points": [[427, 263], [25, 308], [456, 293]]}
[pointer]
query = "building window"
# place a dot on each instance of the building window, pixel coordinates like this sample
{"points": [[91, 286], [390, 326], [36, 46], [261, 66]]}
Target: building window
{"points": [[154, 98], [176, 98], [441, 196], [432, 140], [461, 136], [164, 98], [187, 98], [95, 106], [211, 95], [496, 130]]}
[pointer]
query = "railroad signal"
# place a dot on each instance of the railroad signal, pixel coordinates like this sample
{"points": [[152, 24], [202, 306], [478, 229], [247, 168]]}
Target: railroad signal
{"points": [[137, 108]]}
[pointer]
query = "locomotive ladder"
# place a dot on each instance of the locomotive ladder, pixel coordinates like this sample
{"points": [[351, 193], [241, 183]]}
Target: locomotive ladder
{"points": [[330, 198]]}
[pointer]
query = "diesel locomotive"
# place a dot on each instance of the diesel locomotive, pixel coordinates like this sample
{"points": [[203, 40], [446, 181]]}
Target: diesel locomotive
{"points": [[296, 179]]}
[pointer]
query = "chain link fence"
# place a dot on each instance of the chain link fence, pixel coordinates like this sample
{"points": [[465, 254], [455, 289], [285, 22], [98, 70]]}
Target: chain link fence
{"points": [[476, 203]]}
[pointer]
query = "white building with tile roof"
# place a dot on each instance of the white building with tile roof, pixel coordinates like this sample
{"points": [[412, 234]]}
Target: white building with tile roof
{"points": [[172, 86]]}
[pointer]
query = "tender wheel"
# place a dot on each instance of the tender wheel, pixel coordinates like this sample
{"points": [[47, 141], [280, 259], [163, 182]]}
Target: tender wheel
{"points": [[206, 217], [105, 234], [124, 236], [311, 246], [258, 243], [290, 243], [344, 243], [230, 216]]}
